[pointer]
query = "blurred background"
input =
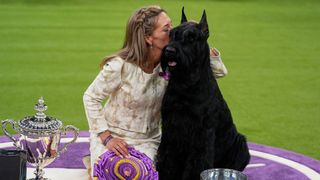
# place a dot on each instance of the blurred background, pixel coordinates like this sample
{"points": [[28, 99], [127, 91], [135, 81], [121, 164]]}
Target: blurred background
{"points": [[270, 48]]}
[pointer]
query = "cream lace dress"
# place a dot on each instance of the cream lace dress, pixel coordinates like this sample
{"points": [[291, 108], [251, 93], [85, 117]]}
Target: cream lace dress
{"points": [[132, 111]]}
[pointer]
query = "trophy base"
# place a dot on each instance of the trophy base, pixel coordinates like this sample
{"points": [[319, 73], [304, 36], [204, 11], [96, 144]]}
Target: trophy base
{"points": [[39, 179]]}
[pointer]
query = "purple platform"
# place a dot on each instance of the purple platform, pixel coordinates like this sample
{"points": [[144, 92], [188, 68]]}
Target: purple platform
{"points": [[267, 163]]}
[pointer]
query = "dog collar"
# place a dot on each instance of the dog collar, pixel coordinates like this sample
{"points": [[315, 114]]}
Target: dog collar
{"points": [[165, 75]]}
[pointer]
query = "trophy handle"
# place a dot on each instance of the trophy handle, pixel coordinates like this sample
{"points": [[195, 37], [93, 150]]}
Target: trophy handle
{"points": [[76, 134], [14, 126]]}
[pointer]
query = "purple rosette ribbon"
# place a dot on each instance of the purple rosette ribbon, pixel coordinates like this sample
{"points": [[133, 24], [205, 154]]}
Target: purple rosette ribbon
{"points": [[136, 167]]}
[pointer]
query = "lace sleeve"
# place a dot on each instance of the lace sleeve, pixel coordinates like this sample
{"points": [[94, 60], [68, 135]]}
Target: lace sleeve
{"points": [[218, 68], [107, 81]]}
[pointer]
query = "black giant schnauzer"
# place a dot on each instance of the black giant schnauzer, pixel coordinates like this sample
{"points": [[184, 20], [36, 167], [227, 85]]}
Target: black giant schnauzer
{"points": [[198, 132]]}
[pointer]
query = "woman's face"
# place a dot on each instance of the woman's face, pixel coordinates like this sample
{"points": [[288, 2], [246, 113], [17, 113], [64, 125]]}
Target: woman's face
{"points": [[160, 36]]}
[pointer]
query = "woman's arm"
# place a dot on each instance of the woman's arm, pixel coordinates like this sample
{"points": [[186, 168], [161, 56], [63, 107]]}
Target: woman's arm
{"points": [[107, 81]]}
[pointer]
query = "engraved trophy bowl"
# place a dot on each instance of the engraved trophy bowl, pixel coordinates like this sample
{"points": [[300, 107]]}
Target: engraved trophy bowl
{"points": [[40, 137], [222, 174]]}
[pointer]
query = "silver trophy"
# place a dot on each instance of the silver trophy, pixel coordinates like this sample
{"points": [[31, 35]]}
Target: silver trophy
{"points": [[40, 138]]}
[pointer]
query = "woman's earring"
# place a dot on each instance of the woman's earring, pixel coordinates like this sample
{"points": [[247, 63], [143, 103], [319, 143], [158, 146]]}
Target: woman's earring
{"points": [[151, 46]]}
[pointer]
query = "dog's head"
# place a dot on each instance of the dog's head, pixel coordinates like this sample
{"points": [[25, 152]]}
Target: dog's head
{"points": [[187, 49]]}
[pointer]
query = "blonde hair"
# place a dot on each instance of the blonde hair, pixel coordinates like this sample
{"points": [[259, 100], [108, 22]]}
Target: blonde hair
{"points": [[141, 24]]}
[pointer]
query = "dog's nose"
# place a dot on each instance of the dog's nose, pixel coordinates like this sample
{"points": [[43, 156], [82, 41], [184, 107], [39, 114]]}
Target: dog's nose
{"points": [[170, 51]]}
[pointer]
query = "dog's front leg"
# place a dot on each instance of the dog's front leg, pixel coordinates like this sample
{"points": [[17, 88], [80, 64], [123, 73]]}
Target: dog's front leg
{"points": [[169, 167], [168, 160], [201, 156]]}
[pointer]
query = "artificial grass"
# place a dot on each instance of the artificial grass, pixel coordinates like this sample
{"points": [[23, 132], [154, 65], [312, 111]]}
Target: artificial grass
{"points": [[270, 48]]}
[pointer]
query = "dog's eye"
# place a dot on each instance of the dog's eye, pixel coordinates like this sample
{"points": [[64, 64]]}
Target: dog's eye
{"points": [[189, 36], [175, 35], [172, 34]]}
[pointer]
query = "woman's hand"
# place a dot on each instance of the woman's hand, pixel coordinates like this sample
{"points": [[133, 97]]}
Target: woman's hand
{"points": [[118, 146], [214, 52]]}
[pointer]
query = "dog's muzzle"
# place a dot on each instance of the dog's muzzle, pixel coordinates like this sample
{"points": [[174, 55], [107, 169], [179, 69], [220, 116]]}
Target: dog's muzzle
{"points": [[170, 52], [169, 55]]}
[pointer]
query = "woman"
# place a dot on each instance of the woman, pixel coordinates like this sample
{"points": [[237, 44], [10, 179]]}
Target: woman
{"points": [[130, 81]]}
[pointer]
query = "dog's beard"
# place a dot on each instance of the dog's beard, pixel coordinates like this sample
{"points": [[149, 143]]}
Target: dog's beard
{"points": [[166, 72], [168, 63], [179, 66]]}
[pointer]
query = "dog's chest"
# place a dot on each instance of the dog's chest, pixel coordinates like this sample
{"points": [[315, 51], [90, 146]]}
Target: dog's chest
{"points": [[193, 109], [183, 112]]}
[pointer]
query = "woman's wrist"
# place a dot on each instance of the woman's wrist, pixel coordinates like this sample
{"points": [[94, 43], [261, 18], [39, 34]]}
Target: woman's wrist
{"points": [[106, 140], [104, 134]]}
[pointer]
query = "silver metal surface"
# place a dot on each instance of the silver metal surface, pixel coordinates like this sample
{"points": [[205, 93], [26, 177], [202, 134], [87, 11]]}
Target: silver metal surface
{"points": [[39, 136], [222, 174]]}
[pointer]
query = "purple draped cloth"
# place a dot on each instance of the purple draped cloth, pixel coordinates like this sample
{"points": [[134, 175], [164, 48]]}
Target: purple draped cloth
{"points": [[136, 167]]}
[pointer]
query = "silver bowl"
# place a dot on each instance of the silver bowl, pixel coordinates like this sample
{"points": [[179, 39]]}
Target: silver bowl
{"points": [[222, 174]]}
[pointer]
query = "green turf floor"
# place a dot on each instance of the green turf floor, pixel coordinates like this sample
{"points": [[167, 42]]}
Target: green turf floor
{"points": [[271, 49]]}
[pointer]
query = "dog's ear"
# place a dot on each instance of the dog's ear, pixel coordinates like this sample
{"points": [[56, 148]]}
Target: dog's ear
{"points": [[183, 16], [204, 25]]}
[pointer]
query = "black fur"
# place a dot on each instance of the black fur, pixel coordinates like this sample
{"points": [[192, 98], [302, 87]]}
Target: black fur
{"points": [[198, 132]]}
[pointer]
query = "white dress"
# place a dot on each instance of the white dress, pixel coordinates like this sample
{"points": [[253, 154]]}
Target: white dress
{"points": [[132, 111]]}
